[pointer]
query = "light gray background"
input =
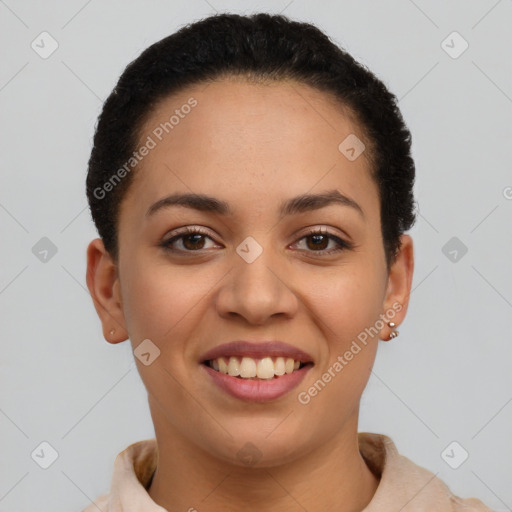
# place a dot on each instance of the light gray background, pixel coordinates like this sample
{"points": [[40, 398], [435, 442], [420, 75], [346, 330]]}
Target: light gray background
{"points": [[445, 378]]}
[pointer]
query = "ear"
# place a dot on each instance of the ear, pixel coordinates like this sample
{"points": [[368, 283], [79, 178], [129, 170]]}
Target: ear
{"points": [[399, 286], [103, 283]]}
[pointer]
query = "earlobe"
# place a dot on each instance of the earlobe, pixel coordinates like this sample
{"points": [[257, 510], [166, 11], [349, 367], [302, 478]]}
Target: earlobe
{"points": [[399, 288], [103, 283]]}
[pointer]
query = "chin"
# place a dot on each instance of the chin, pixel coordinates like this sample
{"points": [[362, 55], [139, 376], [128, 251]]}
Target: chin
{"points": [[251, 446]]}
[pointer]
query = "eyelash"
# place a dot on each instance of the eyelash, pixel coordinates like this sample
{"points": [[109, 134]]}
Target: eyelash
{"points": [[342, 244]]}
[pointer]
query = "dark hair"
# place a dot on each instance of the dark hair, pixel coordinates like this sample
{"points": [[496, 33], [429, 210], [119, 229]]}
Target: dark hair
{"points": [[262, 47]]}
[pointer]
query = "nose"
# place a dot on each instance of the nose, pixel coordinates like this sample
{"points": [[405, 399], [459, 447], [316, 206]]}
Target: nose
{"points": [[257, 290]]}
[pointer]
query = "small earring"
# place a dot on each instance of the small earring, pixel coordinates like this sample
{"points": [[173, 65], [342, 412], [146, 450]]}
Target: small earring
{"points": [[393, 333], [112, 332]]}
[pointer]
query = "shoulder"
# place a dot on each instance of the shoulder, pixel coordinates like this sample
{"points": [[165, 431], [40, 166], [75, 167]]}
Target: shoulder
{"points": [[406, 486], [468, 505], [100, 503], [133, 469]]}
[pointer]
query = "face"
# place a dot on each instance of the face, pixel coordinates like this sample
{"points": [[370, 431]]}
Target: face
{"points": [[262, 266]]}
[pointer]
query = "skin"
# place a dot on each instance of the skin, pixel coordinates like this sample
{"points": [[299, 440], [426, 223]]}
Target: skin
{"points": [[253, 146]]}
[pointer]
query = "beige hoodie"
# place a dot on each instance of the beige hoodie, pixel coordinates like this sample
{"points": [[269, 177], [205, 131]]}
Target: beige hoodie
{"points": [[404, 486]]}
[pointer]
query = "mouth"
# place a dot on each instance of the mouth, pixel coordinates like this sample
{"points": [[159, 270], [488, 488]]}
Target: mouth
{"points": [[256, 372], [264, 368]]}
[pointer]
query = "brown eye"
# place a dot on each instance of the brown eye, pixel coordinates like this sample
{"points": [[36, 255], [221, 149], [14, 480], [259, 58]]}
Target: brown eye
{"points": [[317, 240], [192, 239]]}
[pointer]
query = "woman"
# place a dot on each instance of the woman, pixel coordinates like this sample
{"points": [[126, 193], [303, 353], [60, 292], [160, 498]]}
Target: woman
{"points": [[252, 185]]}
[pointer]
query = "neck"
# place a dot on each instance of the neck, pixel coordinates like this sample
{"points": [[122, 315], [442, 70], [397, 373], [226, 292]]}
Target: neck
{"points": [[189, 478]]}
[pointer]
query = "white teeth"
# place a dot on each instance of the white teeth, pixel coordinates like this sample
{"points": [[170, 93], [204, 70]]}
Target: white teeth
{"points": [[248, 368], [265, 368], [223, 366], [279, 368], [234, 367]]}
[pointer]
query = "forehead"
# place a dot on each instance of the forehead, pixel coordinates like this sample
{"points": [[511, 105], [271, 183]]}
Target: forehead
{"points": [[238, 140]]}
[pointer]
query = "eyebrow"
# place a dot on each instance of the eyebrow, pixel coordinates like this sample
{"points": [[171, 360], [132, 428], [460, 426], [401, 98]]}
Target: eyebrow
{"points": [[295, 205]]}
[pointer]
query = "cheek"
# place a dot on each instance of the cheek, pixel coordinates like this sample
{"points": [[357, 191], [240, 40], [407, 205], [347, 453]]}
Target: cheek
{"points": [[344, 308], [159, 298], [347, 301], [164, 304]]}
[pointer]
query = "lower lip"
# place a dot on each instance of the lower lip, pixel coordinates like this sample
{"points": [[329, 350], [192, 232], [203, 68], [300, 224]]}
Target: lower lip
{"points": [[257, 390]]}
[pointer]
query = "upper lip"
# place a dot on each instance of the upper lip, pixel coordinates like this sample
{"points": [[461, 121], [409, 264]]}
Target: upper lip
{"points": [[256, 350]]}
